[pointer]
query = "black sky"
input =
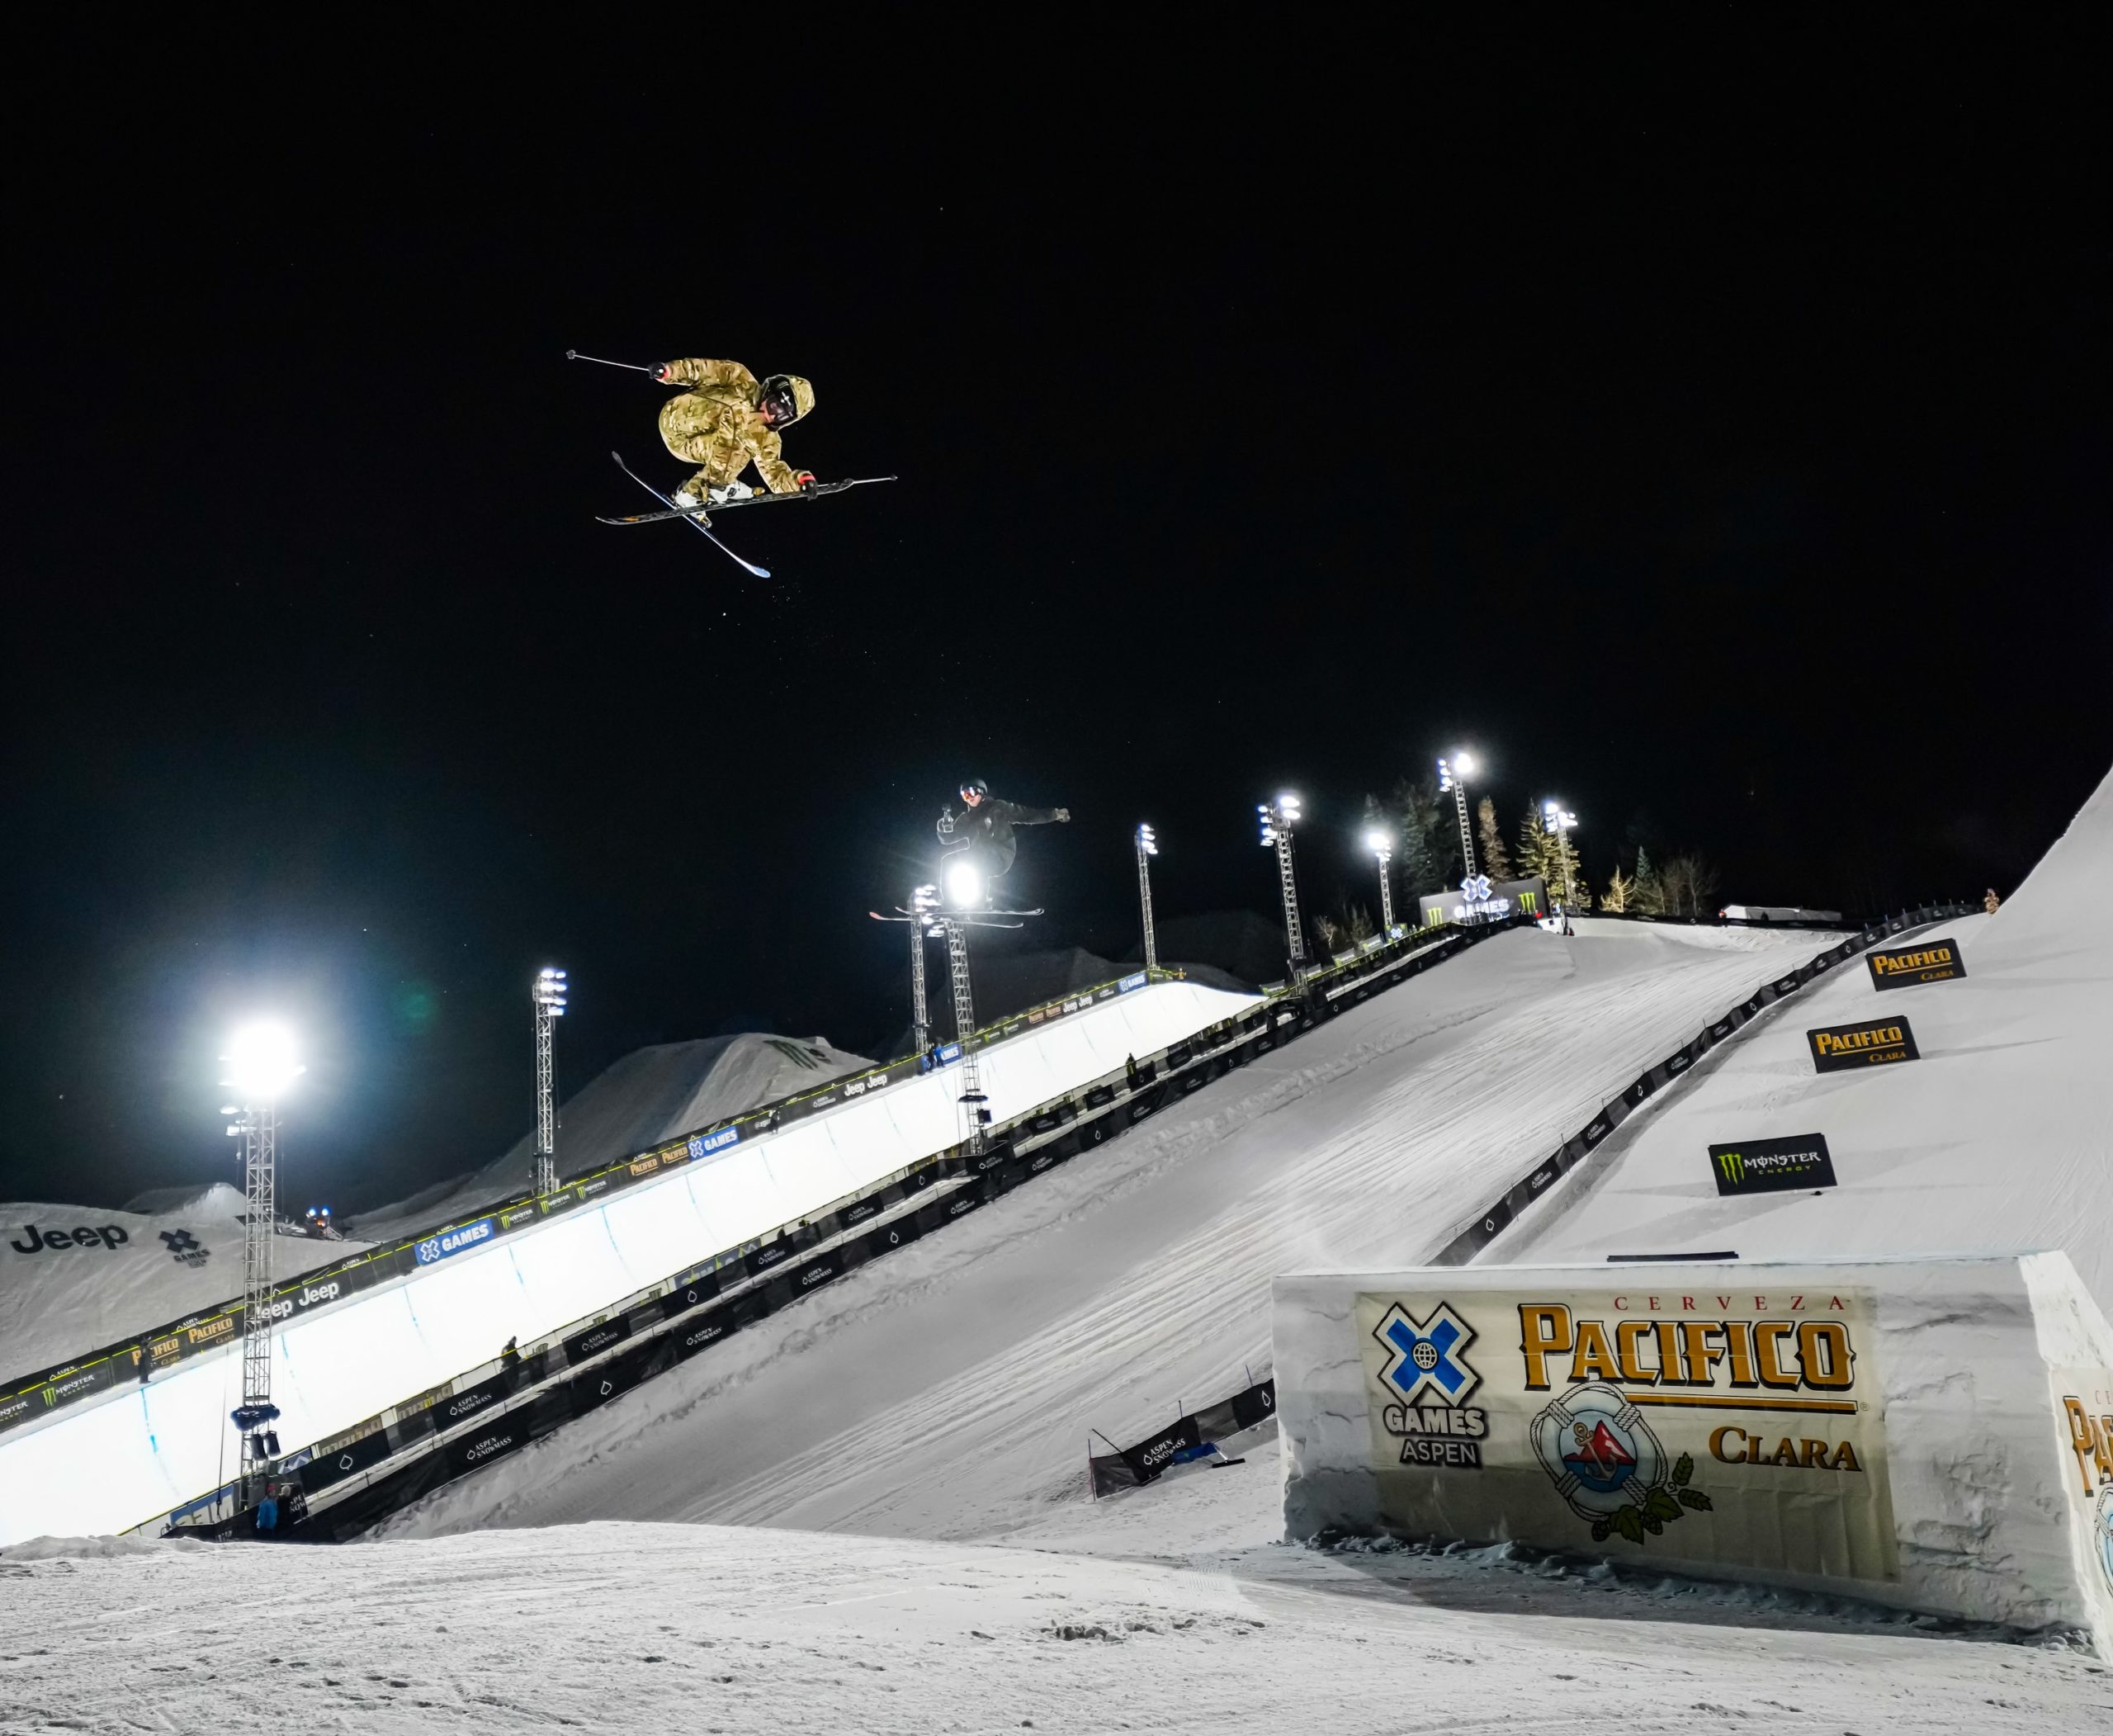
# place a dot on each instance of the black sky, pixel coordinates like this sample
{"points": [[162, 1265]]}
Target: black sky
{"points": [[1717, 441]]}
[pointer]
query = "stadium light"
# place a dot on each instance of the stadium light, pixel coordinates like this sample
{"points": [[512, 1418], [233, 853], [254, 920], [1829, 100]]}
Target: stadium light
{"points": [[1382, 846], [1148, 848], [262, 1062], [1560, 821], [547, 995], [1280, 821], [1454, 772], [964, 884]]}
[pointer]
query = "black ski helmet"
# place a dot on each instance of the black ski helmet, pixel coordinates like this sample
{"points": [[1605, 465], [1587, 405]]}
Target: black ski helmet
{"points": [[790, 396], [974, 787]]}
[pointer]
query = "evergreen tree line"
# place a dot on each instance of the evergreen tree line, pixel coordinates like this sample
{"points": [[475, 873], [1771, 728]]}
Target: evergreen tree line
{"points": [[1425, 826]]}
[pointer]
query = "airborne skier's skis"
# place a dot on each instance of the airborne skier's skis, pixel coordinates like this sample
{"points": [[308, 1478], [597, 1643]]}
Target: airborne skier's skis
{"points": [[704, 508], [749, 565]]}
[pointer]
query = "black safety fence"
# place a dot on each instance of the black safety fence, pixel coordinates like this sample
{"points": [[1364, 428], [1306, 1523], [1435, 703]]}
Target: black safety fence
{"points": [[1188, 1437], [509, 1402], [1479, 1231]]}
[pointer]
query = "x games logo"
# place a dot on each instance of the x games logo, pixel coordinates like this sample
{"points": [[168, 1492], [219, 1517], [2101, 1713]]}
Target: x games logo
{"points": [[1430, 1380]]}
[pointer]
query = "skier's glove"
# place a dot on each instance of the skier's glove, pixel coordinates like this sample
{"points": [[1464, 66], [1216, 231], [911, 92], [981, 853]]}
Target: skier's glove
{"points": [[805, 478], [1063, 813]]}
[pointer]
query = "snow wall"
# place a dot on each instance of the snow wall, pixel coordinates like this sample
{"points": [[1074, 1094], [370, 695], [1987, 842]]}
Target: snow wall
{"points": [[104, 1466], [1934, 1434]]}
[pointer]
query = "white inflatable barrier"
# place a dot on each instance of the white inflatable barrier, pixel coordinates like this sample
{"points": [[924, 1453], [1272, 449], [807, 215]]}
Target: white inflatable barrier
{"points": [[102, 1467], [1932, 1434]]}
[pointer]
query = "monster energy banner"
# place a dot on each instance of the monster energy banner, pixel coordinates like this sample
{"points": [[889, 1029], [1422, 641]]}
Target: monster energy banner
{"points": [[1772, 1165], [1744, 1430]]}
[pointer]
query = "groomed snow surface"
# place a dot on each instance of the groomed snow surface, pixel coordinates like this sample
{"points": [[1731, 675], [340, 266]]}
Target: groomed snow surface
{"points": [[1162, 1611]]}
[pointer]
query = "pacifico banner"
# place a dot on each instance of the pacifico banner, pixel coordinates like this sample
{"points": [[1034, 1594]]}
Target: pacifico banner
{"points": [[1840, 1048], [1741, 1429], [2083, 1409], [1926, 961]]}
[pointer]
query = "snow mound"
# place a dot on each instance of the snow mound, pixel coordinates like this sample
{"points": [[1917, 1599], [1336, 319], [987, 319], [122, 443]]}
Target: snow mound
{"points": [[650, 1095], [75, 1279]]}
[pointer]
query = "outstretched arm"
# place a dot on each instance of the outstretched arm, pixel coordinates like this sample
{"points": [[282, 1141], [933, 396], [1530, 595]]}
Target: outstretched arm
{"points": [[1037, 815], [778, 476], [696, 371]]}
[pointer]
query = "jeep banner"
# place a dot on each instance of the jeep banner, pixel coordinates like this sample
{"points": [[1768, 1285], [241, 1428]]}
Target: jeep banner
{"points": [[1742, 1429], [1772, 1165], [1840, 1048], [1926, 961]]}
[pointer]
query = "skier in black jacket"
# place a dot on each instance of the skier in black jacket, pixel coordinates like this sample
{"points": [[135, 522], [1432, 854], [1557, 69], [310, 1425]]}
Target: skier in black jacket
{"points": [[986, 829]]}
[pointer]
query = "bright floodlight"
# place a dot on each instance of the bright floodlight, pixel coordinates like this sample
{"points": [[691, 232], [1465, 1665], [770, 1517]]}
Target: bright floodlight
{"points": [[262, 1063], [1147, 840], [1289, 804], [1379, 843], [550, 989], [964, 884], [1464, 765]]}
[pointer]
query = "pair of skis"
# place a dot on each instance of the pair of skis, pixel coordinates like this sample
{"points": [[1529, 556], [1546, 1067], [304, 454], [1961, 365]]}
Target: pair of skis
{"points": [[700, 516], [970, 919]]}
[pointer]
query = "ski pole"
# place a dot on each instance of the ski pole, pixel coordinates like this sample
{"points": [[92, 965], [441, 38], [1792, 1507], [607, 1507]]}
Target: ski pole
{"points": [[574, 355]]}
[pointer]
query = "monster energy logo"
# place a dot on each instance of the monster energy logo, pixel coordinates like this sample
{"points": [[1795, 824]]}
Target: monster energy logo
{"points": [[1769, 1165]]}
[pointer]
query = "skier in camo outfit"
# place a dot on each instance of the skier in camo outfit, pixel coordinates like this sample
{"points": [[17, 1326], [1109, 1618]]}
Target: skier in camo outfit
{"points": [[725, 421]]}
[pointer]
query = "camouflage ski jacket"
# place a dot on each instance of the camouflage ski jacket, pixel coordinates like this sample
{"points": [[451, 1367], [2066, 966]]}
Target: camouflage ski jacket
{"points": [[715, 426]]}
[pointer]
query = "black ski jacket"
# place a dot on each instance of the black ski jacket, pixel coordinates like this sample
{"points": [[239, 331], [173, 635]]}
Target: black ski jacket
{"points": [[988, 829]]}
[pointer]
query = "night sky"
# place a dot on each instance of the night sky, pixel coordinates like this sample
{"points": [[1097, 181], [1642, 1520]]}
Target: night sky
{"points": [[1725, 454]]}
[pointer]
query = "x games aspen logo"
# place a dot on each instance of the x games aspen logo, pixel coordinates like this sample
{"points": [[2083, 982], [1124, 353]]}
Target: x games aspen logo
{"points": [[1429, 1374]]}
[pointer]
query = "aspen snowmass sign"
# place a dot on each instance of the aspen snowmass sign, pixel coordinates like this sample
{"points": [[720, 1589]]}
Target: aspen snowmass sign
{"points": [[1733, 1427]]}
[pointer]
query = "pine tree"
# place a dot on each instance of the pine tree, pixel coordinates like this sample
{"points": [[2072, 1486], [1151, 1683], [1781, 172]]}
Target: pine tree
{"points": [[1427, 844], [1648, 895], [1497, 859], [1619, 891], [1537, 855]]}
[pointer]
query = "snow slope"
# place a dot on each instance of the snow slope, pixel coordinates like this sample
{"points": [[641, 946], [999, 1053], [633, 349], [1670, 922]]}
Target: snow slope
{"points": [[1998, 1140], [946, 1391], [115, 1275], [1165, 1610]]}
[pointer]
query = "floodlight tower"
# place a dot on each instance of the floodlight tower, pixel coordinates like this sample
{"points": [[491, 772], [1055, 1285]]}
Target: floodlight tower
{"points": [[262, 1065], [1280, 819], [1148, 848], [1560, 821], [1382, 846], [1453, 774], [964, 892], [548, 996], [923, 920]]}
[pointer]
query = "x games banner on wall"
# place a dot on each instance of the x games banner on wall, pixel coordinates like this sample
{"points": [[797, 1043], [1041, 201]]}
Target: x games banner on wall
{"points": [[1742, 1429]]}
